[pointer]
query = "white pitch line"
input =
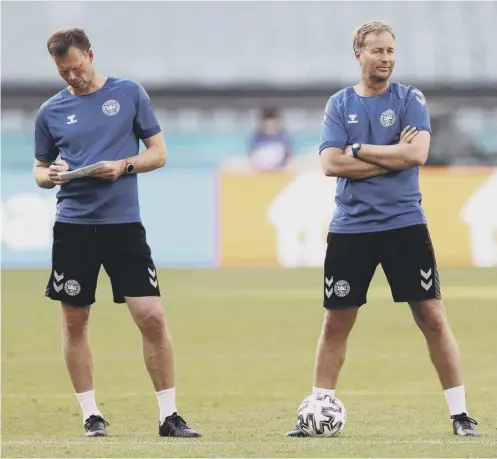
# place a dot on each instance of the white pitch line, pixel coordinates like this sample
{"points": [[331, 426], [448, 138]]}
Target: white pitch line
{"points": [[341, 440], [67, 395], [137, 358], [225, 357], [358, 393]]}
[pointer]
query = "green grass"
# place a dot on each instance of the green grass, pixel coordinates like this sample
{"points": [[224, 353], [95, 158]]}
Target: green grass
{"points": [[245, 341]]}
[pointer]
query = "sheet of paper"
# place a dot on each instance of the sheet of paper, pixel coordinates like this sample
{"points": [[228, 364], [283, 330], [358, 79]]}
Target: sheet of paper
{"points": [[81, 172]]}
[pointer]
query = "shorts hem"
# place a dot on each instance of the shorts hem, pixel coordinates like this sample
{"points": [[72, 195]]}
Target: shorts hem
{"points": [[122, 299], [342, 306], [411, 300], [73, 304]]}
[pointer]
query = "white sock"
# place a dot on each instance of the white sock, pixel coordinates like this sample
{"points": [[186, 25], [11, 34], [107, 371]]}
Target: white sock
{"points": [[456, 399], [167, 403], [315, 390], [88, 404]]}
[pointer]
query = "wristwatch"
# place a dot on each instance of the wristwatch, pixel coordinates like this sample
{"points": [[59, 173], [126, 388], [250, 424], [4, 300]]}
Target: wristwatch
{"points": [[129, 168], [355, 149]]}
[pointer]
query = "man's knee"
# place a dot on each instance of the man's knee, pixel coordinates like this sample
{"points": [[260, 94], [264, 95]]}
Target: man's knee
{"points": [[148, 314], [152, 322], [337, 323], [75, 320], [430, 315]]}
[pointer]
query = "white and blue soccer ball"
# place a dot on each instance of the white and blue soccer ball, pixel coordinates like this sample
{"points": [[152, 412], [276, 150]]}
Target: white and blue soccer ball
{"points": [[321, 415]]}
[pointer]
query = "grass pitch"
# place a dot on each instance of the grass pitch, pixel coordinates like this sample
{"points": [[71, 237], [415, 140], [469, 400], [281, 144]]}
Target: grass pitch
{"points": [[245, 341]]}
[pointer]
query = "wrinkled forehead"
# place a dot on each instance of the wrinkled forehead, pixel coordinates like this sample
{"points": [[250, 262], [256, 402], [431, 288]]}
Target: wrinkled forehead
{"points": [[382, 40], [72, 60]]}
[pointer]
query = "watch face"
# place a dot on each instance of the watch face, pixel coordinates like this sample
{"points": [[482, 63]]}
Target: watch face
{"points": [[356, 145], [129, 168]]}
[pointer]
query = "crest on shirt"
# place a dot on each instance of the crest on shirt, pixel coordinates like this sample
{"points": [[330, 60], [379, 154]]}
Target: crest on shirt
{"points": [[111, 107], [387, 118]]}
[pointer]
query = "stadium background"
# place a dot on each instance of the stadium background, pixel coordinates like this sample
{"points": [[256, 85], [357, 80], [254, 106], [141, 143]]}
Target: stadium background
{"points": [[245, 333], [208, 83]]}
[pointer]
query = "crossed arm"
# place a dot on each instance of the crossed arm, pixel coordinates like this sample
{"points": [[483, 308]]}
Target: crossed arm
{"points": [[376, 160], [337, 164]]}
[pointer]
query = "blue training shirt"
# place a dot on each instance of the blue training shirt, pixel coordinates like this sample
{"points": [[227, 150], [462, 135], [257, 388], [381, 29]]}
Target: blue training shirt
{"points": [[385, 202], [105, 125]]}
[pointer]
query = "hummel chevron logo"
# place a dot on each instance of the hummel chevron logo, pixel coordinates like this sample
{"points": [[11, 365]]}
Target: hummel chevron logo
{"points": [[57, 288], [328, 291], [153, 277], [58, 277], [427, 274], [426, 286]]}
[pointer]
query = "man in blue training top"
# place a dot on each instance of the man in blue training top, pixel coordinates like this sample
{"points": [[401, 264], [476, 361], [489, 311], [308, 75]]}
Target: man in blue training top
{"points": [[99, 118], [374, 138]]}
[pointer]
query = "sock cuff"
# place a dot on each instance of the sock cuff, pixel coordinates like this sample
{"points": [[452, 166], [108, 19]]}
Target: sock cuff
{"points": [[316, 390], [165, 391], [88, 393], [454, 391]]}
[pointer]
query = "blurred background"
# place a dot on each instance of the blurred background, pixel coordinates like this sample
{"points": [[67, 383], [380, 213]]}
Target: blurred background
{"points": [[240, 89]]}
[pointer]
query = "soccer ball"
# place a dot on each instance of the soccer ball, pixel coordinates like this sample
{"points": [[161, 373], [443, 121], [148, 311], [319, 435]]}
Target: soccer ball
{"points": [[321, 415]]}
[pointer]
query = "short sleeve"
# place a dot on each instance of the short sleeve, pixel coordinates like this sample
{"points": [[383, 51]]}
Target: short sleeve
{"points": [[416, 111], [333, 133], [45, 148], [146, 124]]}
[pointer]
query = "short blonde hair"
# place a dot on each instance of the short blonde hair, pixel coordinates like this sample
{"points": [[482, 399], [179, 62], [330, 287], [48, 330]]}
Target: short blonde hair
{"points": [[375, 27]]}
